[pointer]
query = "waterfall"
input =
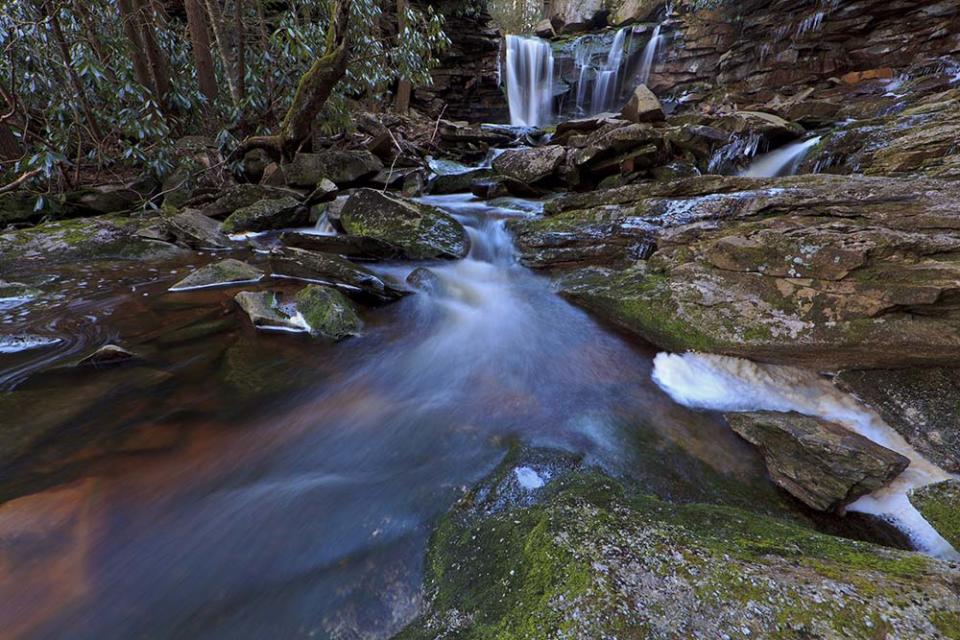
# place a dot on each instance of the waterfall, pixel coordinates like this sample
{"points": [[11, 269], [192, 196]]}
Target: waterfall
{"points": [[605, 89], [782, 162], [649, 55], [529, 81]]}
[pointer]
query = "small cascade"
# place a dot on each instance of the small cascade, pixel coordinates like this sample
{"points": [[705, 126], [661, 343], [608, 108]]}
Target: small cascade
{"points": [[782, 162], [529, 76], [732, 153], [649, 55], [606, 88]]}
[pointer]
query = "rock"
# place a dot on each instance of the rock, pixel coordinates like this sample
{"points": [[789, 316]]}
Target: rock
{"points": [[15, 294], [627, 11], [461, 133], [585, 557], [570, 16], [458, 182], [501, 186], [106, 355], [340, 167], [424, 279], [823, 464], [98, 238], [420, 231], [333, 270], [328, 312], [356, 247], [254, 163], [237, 196], [617, 143], [643, 106], [530, 165], [544, 29], [229, 272], [325, 192], [778, 270], [770, 127], [19, 208], [856, 77], [922, 404], [264, 215], [195, 230], [112, 198], [940, 504], [264, 311]]}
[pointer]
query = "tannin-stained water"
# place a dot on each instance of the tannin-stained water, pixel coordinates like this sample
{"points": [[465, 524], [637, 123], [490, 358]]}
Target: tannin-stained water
{"points": [[276, 486]]}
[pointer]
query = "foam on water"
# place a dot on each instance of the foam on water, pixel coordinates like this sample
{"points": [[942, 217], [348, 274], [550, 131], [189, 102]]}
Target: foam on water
{"points": [[723, 383]]}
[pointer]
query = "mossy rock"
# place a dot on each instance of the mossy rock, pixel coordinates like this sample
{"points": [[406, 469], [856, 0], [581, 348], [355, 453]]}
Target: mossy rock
{"points": [[940, 505], [589, 559], [274, 213], [328, 312], [225, 273], [420, 231]]}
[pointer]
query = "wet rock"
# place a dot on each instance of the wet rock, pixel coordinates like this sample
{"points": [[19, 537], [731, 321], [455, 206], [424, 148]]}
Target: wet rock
{"points": [[424, 279], [458, 182], [114, 198], [97, 238], [268, 214], [254, 163], [530, 165], [823, 464], [325, 191], [229, 272], [565, 559], [461, 133], [193, 229], [108, 354], [922, 404], [643, 106], [263, 309], [617, 143], [767, 125], [340, 167], [355, 247], [940, 505], [779, 270], [501, 187], [420, 231], [325, 268], [328, 312]]}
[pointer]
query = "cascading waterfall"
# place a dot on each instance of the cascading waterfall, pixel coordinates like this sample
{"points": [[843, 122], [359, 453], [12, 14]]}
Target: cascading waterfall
{"points": [[605, 89], [781, 162], [649, 55], [529, 75]]}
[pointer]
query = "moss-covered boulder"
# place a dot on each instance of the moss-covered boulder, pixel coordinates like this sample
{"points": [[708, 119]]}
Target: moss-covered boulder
{"points": [[341, 167], [225, 273], [266, 313], [530, 165], [271, 213], [537, 553], [237, 196], [940, 505], [328, 312], [419, 230], [329, 269]]}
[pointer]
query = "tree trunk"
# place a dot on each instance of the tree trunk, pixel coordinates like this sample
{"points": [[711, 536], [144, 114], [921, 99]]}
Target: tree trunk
{"points": [[241, 53], [9, 145], [404, 88], [202, 56], [71, 72], [141, 69], [314, 88], [216, 25], [158, 63]]}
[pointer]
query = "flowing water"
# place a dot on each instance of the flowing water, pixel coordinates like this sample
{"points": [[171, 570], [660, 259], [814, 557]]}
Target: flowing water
{"points": [[529, 75], [781, 162], [242, 485]]}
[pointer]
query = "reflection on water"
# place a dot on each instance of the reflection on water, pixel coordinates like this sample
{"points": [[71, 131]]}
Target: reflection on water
{"points": [[233, 485]]}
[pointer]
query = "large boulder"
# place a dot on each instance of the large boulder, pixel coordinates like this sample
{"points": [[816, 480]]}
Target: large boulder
{"points": [[539, 552], [940, 505], [265, 312], [420, 231], [627, 11], [340, 167], [569, 16], [279, 213], [193, 229], [224, 202], [923, 404], [530, 165], [355, 247], [823, 464], [643, 106], [829, 272], [111, 198], [325, 268], [328, 312]]}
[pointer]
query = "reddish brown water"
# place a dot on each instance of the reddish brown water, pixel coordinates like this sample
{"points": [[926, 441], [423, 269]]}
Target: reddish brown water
{"points": [[240, 485]]}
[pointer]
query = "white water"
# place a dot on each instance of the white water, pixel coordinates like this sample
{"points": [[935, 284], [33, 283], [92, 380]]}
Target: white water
{"points": [[649, 56], [529, 81], [606, 88], [723, 383], [781, 162]]}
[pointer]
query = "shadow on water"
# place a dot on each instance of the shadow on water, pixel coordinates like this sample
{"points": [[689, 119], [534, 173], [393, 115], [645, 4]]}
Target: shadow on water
{"points": [[235, 485]]}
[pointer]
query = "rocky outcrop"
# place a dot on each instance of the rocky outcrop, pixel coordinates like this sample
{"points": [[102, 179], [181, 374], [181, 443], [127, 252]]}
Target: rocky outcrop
{"points": [[229, 272], [823, 271], [922, 404], [940, 505], [537, 552], [822, 463], [264, 215], [418, 230]]}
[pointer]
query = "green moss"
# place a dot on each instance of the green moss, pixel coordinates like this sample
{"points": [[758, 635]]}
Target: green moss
{"points": [[948, 623], [940, 505]]}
